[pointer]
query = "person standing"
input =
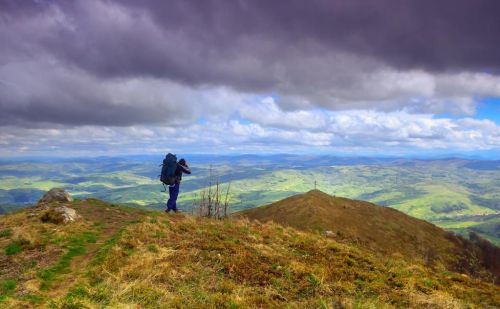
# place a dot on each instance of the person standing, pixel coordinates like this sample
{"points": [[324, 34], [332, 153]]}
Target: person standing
{"points": [[173, 190]]}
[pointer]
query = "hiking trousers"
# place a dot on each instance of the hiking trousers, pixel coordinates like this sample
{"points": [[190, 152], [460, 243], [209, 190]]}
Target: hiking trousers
{"points": [[172, 200]]}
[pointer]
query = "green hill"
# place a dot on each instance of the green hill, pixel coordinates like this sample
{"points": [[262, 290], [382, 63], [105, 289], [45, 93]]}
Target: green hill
{"points": [[121, 257], [383, 230]]}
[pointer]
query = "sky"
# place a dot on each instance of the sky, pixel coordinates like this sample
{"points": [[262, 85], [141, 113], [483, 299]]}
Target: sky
{"points": [[366, 78]]}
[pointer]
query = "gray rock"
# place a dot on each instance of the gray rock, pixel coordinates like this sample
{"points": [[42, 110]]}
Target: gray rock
{"points": [[55, 195], [60, 214], [68, 214], [328, 234]]}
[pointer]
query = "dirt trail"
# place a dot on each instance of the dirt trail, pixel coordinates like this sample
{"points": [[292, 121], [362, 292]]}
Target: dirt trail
{"points": [[109, 220]]}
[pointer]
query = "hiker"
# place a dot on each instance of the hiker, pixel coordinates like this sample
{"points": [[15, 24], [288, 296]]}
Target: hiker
{"points": [[173, 190]]}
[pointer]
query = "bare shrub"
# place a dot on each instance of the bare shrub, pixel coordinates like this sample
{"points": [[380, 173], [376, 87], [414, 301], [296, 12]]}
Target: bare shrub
{"points": [[213, 199]]}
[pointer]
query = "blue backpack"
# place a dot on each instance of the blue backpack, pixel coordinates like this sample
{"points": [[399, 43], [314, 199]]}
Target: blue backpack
{"points": [[168, 169]]}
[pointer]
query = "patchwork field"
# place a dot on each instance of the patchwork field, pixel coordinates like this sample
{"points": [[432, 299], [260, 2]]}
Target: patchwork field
{"points": [[460, 195]]}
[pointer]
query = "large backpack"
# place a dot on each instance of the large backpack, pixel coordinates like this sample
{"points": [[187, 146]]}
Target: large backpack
{"points": [[168, 169]]}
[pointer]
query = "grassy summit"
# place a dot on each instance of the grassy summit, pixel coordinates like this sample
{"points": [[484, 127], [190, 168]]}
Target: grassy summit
{"points": [[383, 230], [121, 257]]}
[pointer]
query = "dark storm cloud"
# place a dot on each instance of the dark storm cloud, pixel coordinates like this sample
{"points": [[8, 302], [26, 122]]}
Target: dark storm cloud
{"points": [[436, 35], [40, 93], [199, 41], [319, 51], [76, 107]]}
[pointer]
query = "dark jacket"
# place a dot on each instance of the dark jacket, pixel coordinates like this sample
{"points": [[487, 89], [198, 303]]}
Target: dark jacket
{"points": [[181, 169]]}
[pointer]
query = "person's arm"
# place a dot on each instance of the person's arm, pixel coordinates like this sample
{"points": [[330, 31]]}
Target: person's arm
{"points": [[185, 169]]}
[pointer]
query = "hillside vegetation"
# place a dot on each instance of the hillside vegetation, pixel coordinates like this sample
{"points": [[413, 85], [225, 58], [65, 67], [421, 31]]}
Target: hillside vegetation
{"points": [[122, 257], [383, 230]]}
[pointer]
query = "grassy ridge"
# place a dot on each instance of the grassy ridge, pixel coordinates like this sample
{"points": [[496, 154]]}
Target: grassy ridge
{"points": [[122, 257], [184, 262], [382, 230]]}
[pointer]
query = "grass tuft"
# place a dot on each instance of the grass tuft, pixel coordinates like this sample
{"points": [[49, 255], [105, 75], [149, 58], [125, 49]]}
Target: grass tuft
{"points": [[16, 246], [6, 233], [33, 299], [7, 288]]}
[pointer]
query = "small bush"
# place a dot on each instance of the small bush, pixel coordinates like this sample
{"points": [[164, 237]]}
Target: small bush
{"points": [[213, 201]]}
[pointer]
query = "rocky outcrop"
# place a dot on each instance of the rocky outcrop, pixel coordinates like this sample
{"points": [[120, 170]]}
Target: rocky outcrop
{"points": [[51, 208], [59, 215], [55, 195]]}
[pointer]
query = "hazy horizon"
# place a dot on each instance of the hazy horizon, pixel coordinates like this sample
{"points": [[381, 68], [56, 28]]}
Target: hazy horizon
{"points": [[494, 156]]}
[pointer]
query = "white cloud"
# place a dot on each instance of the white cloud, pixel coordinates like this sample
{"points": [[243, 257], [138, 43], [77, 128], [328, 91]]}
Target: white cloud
{"points": [[268, 113], [359, 131], [370, 128]]}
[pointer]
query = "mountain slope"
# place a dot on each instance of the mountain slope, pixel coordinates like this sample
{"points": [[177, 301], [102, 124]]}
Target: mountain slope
{"points": [[121, 257], [383, 230]]}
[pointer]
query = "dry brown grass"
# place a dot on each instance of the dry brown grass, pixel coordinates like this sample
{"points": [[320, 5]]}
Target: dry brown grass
{"points": [[186, 262], [52, 257], [181, 261], [383, 230]]}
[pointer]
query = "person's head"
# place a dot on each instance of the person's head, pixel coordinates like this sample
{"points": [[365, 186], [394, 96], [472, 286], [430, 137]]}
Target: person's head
{"points": [[182, 161]]}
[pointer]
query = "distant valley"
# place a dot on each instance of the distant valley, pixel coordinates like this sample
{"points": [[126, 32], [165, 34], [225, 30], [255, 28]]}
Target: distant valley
{"points": [[456, 194]]}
